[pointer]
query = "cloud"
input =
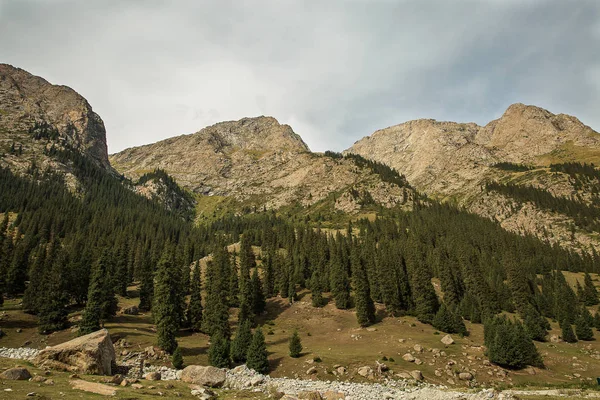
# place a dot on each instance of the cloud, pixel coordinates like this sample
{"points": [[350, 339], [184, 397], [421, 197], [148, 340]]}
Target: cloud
{"points": [[335, 70]]}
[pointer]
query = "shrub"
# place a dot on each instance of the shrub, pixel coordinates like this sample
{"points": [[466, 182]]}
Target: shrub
{"points": [[177, 359]]}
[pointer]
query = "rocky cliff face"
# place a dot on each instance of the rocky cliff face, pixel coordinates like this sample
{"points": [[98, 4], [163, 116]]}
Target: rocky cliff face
{"points": [[35, 115], [259, 162], [452, 161]]}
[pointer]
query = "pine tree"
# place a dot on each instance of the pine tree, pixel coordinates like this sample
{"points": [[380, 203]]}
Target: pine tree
{"points": [[91, 320], [167, 302], [567, 332], [215, 317], [365, 308], [424, 297], [509, 345], [597, 319], [590, 294], [241, 342], [269, 277], [257, 295], [583, 325], [518, 283], [447, 321], [340, 283], [218, 352], [234, 284], [291, 292], [315, 287], [194, 310], [295, 345], [147, 284], [534, 323], [53, 313], [177, 358], [257, 356]]}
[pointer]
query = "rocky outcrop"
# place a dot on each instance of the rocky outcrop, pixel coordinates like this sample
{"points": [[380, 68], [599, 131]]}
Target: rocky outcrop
{"points": [[35, 114], [89, 354], [452, 161]]}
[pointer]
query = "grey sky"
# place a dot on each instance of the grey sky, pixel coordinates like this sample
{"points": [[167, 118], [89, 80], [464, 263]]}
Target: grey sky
{"points": [[334, 70]]}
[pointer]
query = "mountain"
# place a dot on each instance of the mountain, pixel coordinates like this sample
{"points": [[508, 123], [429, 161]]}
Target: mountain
{"points": [[526, 149], [258, 162], [36, 115]]}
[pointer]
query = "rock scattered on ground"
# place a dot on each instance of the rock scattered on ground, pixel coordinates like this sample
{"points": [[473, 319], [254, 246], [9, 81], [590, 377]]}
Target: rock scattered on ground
{"points": [[93, 387]]}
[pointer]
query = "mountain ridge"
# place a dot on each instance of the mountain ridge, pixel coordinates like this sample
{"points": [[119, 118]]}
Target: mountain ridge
{"points": [[453, 161]]}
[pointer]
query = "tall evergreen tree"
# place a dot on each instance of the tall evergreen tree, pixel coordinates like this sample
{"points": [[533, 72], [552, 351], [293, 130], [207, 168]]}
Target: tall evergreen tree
{"points": [[93, 314], [425, 299], [315, 287], [534, 323], [53, 313], [241, 342], [590, 294], [167, 302], [567, 332], [257, 356], [269, 277], [365, 308], [597, 320], [234, 284], [147, 284], [218, 351], [194, 310], [508, 344], [215, 317], [257, 295], [447, 321], [583, 325]]}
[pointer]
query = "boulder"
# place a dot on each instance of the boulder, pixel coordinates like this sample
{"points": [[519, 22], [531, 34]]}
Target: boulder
{"points": [[447, 340], [416, 375], [38, 379], [152, 376], [465, 376], [205, 376], [16, 374], [88, 354], [408, 357], [365, 371], [203, 393], [418, 348], [116, 380], [404, 375], [311, 370]]}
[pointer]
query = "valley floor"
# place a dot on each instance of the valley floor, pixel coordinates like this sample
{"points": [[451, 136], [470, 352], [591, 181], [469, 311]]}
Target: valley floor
{"points": [[331, 339]]}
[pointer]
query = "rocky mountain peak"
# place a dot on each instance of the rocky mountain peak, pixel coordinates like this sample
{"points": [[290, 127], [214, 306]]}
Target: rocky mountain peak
{"points": [[259, 134], [29, 104]]}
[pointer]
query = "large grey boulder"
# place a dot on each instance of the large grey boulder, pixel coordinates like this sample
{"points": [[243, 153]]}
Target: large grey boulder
{"points": [[89, 354], [203, 375], [16, 374]]}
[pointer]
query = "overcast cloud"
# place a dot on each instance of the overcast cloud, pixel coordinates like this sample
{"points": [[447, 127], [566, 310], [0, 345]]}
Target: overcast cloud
{"points": [[334, 70]]}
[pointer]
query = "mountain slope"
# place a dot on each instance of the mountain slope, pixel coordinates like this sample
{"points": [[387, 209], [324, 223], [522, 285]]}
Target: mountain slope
{"points": [[453, 161], [258, 162]]}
